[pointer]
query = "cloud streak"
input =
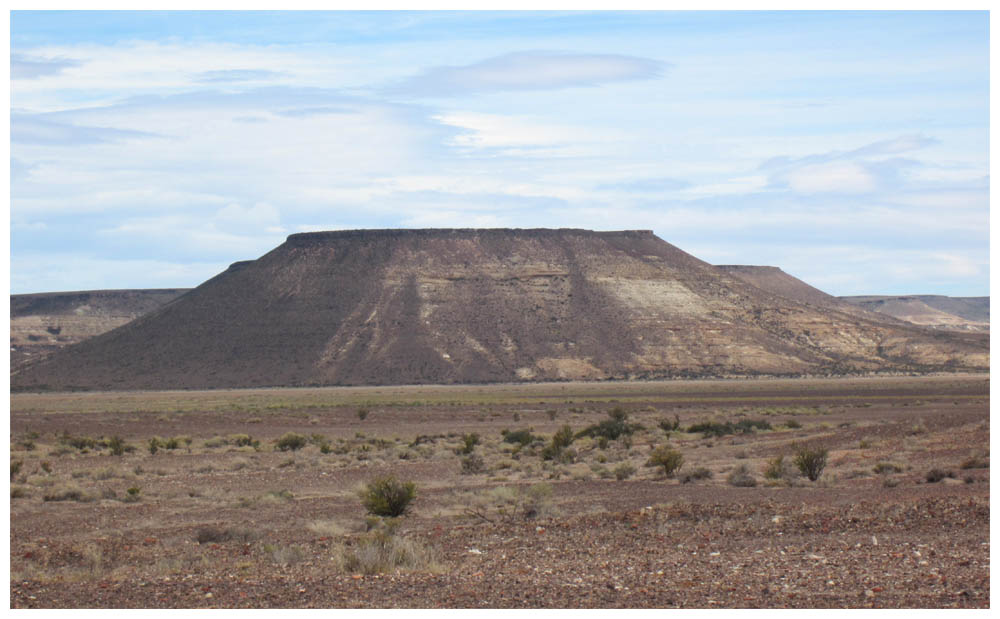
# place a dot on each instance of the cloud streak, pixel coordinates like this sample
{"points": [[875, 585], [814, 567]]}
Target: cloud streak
{"points": [[529, 70], [28, 68]]}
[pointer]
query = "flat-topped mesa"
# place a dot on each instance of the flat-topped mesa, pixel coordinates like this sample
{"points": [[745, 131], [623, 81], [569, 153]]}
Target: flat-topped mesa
{"points": [[354, 307], [749, 268], [313, 238]]}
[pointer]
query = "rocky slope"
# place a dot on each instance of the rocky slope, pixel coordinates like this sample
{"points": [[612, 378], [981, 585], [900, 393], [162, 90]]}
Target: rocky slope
{"points": [[444, 306]]}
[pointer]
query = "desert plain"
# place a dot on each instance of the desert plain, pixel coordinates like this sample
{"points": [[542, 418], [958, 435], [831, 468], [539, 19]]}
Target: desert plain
{"points": [[250, 498]]}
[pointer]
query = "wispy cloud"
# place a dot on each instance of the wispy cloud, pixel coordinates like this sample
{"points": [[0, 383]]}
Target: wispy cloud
{"points": [[28, 68], [237, 75], [34, 129], [305, 112], [529, 70], [862, 170]]}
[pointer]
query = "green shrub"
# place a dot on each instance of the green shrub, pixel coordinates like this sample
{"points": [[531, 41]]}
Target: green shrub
{"points": [[154, 445], [15, 467], [290, 442], [744, 426], [562, 439], [172, 443], [615, 426], [792, 424], [811, 462], [670, 459], [469, 442], [521, 437], [741, 477], [132, 494], [118, 446], [362, 413], [388, 497], [670, 426], [78, 442], [623, 471], [242, 440]]}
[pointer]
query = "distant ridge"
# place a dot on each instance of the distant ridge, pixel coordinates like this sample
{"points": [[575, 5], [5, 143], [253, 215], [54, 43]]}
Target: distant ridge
{"points": [[491, 305], [937, 311], [41, 323]]}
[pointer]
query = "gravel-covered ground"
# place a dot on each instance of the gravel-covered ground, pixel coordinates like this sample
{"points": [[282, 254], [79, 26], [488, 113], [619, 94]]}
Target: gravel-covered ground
{"points": [[215, 524]]}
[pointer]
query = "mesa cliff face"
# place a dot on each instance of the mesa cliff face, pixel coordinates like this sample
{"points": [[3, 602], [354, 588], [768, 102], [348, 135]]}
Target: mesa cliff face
{"points": [[443, 306]]}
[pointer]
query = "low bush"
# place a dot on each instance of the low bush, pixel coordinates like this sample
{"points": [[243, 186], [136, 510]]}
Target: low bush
{"points": [[976, 462], [243, 440], [668, 458], [511, 503], [290, 442], [560, 441], [78, 442], [741, 477], [811, 462], [386, 496], [670, 426], [518, 437], [469, 442], [210, 534], [776, 468], [696, 475], [133, 494], [709, 429], [936, 475], [66, 493], [473, 464], [118, 446], [615, 426], [887, 468], [623, 471], [381, 551]]}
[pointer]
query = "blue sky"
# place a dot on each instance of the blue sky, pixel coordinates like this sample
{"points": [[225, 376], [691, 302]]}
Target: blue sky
{"points": [[152, 149]]}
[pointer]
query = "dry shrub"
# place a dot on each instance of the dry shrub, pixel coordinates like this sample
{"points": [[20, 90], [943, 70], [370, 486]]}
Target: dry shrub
{"points": [[381, 551], [741, 477], [67, 493], [326, 528]]}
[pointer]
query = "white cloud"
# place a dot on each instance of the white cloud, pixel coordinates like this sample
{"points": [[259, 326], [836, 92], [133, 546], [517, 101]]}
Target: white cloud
{"points": [[834, 176]]}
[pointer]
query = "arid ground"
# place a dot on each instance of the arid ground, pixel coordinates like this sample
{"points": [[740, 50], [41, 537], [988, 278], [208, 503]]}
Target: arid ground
{"points": [[220, 516]]}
